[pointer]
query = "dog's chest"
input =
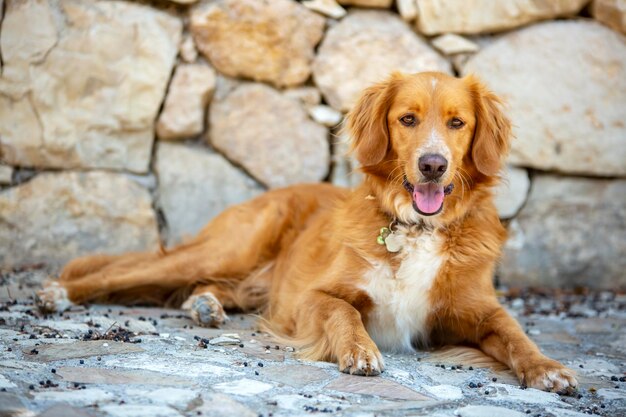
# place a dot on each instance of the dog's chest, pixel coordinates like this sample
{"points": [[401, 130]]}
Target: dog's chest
{"points": [[401, 296]]}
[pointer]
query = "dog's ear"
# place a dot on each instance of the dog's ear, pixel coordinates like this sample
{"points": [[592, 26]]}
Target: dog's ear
{"points": [[367, 123], [493, 129]]}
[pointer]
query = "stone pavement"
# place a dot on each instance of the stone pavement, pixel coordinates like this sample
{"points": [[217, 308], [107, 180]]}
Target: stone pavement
{"points": [[122, 362]]}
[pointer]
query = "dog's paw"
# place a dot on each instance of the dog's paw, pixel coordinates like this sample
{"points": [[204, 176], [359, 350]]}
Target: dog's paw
{"points": [[52, 298], [360, 360], [205, 310], [548, 375]]}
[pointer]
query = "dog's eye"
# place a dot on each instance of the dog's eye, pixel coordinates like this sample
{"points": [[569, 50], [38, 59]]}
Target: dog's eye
{"points": [[408, 120], [456, 123]]}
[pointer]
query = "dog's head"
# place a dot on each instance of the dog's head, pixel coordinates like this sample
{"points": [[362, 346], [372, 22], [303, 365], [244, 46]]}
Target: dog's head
{"points": [[426, 140]]}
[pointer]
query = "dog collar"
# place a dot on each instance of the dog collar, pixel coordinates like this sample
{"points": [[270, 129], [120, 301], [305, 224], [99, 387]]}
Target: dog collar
{"points": [[389, 238]]}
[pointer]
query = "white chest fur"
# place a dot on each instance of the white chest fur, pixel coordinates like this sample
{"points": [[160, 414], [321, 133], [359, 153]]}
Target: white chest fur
{"points": [[401, 299]]}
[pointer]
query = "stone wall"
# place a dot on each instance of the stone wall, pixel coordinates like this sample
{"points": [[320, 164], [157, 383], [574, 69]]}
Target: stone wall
{"points": [[125, 123]]}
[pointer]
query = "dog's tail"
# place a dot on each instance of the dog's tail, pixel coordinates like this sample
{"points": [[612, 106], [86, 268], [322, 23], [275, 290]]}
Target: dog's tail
{"points": [[466, 356]]}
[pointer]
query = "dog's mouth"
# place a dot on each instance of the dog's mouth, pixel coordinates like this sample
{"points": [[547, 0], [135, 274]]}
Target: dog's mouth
{"points": [[428, 197]]}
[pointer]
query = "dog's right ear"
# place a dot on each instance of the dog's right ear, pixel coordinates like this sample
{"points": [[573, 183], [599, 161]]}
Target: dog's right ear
{"points": [[367, 123], [492, 134]]}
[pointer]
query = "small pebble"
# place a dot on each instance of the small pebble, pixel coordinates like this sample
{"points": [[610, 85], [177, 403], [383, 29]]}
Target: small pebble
{"points": [[82, 362], [494, 379], [471, 368], [261, 364]]}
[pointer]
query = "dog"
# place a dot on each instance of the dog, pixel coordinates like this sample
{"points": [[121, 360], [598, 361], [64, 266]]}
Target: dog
{"points": [[403, 261]]}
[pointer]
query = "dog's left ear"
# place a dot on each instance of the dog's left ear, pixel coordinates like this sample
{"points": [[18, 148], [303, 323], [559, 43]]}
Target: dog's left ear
{"points": [[493, 129]]}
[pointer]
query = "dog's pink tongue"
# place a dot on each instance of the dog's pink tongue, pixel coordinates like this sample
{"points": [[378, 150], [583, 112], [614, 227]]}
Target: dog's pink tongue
{"points": [[428, 197]]}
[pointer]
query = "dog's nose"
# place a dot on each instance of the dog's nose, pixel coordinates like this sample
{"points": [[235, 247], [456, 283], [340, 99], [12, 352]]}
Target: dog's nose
{"points": [[432, 166]]}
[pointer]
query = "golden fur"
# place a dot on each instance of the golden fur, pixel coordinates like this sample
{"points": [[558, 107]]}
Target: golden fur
{"points": [[307, 256]]}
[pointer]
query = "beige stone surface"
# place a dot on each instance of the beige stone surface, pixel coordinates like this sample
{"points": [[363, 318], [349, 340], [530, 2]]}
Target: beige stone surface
{"points": [[407, 9], [565, 84], [278, 147], [328, 8], [611, 13], [82, 82], [196, 185], [187, 49], [325, 115], [368, 3], [345, 170], [265, 41], [310, 96], [6, 174], [570, 232], [189, 93], [451, 44], [510, 194], [57, 216], [364, 48], [480, 16]]}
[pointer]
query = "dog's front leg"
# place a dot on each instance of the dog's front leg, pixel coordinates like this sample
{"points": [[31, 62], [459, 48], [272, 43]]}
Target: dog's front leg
{"points": [[501, 337], [336, 332]]}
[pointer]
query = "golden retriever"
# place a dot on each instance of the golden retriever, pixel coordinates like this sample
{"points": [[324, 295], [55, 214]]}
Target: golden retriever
{"points": [[403, 261]]}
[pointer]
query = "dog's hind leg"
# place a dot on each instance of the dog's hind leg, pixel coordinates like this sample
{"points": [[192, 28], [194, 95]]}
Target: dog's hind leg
{"points": [[207, 303], [232, 246], [127, 273], [85, 265]]}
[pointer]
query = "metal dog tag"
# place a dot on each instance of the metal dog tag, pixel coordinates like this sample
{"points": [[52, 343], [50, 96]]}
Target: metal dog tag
{"points": [[393, 243]]}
